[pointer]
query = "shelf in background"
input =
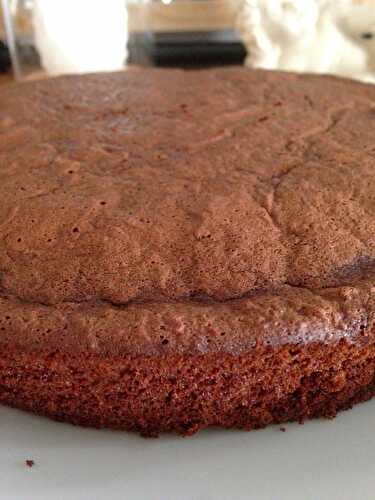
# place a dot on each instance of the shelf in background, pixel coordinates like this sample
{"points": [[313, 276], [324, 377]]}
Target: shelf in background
{"points": [[182, 15]]}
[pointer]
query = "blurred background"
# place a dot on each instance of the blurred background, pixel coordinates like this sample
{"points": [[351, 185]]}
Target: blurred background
{"points": [[96, 35], [50, 37]]}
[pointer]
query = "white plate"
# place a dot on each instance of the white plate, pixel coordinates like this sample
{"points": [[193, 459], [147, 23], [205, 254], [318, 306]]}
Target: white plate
{"points": [[325, 460]]}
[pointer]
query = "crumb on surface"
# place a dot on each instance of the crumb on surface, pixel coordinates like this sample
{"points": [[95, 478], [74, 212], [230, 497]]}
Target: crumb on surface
{"points": [[29, 463], [282, 429]]}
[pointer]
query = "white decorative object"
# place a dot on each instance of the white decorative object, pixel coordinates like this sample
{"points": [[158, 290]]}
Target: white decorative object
{"points": [[78, 36], [320, 36]]}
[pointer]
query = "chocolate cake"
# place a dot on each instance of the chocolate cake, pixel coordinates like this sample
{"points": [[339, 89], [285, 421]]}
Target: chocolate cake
{"points": [[187, 249]]}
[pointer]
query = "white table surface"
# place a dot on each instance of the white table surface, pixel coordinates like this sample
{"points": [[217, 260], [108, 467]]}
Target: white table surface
{"points": [[321, 460]]}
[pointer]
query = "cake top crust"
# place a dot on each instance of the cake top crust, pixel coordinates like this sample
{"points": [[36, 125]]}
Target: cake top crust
{"points": [[152, 210]]}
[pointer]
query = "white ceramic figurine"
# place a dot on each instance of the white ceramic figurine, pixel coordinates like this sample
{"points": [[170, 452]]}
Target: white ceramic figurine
{"points": [[322, 36]]}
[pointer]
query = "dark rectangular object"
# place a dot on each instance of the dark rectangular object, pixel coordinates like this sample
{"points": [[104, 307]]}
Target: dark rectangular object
{"points": [[187, 49]]}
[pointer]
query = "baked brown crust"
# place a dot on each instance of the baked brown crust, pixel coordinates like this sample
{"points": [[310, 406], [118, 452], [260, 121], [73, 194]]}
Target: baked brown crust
{"points": [[161, 220]]}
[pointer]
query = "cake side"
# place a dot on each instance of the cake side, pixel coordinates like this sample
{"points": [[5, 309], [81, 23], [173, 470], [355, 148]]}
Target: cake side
{"points": [[285, 316], [186, 393]]}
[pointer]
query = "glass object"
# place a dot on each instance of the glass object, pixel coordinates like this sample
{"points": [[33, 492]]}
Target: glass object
{"points": [[186, 33], [65, 36], [17, 20]]}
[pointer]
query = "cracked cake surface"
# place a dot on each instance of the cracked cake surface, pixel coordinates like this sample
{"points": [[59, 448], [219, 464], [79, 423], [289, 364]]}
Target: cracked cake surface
{"points": [[160, 213]]}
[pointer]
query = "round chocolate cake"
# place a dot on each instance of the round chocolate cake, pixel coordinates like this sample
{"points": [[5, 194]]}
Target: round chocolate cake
{"points": [[187, 249]]}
